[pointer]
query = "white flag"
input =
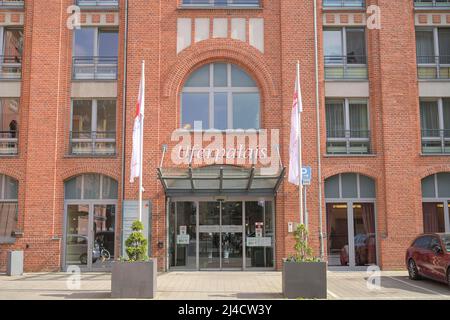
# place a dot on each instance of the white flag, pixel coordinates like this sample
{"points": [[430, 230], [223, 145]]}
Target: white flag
{"points": [[136, 156], [294, 159]]}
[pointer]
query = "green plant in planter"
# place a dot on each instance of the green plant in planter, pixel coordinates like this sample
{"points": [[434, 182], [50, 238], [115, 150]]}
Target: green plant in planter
{"points": [[303, 252], [136, 244]]}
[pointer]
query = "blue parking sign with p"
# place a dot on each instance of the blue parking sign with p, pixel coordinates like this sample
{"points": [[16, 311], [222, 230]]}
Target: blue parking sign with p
{"points": [[306, 175]]}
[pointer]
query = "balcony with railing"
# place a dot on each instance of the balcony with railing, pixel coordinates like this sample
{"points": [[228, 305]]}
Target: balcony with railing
{"points": [[94, 68], [94, 143], [13, 4], [217, 4], [433, 67], [434, 4], [8, 143], [10, 67], [348, 4], [350, 67], [348, 142], [435, 141], [98, 4]]}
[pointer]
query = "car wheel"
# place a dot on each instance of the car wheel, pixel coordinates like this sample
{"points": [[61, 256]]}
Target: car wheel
{"points": [[412, 270]]}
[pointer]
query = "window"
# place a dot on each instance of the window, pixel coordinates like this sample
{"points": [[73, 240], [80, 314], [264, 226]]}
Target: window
{"points": [[344, 3], [435, 125], [220, 3], [347, 126], [90, 187], [345, 53], [11, 47], [98, 3], [433, 53], [93, 127], [95, 54], [431, 3], [436, 202], [8, 208], [9, 119], [220, 96]]}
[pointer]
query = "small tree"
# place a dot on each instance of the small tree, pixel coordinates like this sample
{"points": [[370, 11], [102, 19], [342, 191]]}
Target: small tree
{"points": [[303, 252], [136, 244]]}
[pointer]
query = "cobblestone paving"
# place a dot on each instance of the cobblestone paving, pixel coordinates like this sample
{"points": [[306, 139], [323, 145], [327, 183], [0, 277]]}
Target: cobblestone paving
{"points": [[220, 285]]}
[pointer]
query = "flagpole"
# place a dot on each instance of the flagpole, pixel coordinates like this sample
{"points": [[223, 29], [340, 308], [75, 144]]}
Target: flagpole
{"points": [[299, 145], [141, 144]]}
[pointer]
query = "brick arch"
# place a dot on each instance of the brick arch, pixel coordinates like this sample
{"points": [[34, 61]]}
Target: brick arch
{"points": [[232, 51], [71, 173], [11, 173], [433, 170], [363, 170]]}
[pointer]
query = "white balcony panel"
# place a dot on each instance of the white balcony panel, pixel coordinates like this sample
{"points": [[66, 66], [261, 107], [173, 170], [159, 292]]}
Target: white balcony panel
{"points": [[347, 89], [436, 89], [10, 89], [256, 33], [184, 33], [97, 89]]}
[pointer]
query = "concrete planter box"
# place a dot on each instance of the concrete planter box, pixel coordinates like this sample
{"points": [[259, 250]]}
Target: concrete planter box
{"points": [[134, 279], [304, 280]]}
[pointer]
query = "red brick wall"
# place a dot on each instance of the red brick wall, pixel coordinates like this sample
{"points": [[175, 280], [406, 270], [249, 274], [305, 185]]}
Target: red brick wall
{"points": [[42, 165]]}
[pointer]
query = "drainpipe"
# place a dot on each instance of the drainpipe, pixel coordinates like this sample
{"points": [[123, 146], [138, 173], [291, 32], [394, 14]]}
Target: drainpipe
{"points": [[319, 161], [124, 104]]}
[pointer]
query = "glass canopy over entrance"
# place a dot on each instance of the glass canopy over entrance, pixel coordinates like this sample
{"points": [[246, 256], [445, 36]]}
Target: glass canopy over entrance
{"points": [[220, 180]]}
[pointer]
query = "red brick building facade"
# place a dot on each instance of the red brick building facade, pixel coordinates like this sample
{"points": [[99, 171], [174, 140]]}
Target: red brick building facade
{"points": [[375, 162]]}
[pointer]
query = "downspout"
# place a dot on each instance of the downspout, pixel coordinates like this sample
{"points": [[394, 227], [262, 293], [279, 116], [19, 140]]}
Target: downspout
{"points": [[124, 105], [319, 161]]}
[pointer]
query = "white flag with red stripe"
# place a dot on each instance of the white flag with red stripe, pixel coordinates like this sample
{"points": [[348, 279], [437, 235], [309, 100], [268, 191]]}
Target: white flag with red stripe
{"points": [[294, 158], [136, 155]]}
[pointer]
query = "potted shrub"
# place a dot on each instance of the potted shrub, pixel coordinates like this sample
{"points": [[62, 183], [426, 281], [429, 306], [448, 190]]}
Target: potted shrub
{"points": [[304, 276], [134, 276]]}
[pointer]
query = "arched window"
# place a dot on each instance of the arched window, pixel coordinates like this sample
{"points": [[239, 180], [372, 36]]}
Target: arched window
{"points": [[436, 202], [221, 96], [91, 186], [8, 207], [351, 220]]}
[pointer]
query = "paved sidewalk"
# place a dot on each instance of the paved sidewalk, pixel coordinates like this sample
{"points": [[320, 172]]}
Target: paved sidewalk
{"points": [[220, 285]]}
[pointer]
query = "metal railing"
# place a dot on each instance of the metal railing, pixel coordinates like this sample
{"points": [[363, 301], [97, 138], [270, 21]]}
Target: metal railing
{"points": [[344, 3], [91, 143], [8, 143], [10, 67], [431, 3], [12, 3], [435, 141], [346, 67], [433, 67], [348, 142], [97, 3], [221, 3], [94, 68]]}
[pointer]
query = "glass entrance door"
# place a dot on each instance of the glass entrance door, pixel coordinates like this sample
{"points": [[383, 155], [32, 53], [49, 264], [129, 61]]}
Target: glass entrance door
{"points": [[89, 237], [220, 235]]}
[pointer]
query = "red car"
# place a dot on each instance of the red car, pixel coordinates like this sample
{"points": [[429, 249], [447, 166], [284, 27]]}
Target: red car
{"points": [[429, 257]]}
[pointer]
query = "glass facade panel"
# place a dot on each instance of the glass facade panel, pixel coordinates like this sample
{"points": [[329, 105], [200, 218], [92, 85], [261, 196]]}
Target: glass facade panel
{"points": [[84, 42], [183, 235], [221, 111], [82, 116], [337, 234], [200, 78], [9, 116], [443, 181], [194, 107], [246, 111], [332, 39], [433, 217], [240, 78], [77, 232], [366, 187], [13, 42], [106, 116], [109, 188], [220, 75], [73, 188], [428, 187], [11, 188], [349, 185], [364, 234], [91, 186], [108, 42]]}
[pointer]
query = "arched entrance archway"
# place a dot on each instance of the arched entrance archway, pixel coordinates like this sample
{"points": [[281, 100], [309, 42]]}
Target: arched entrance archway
{"points": [[351, 220], [90, 206]]}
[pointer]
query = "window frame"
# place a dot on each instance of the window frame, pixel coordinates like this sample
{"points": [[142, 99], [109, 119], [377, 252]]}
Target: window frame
{"points": [[96, 38], [344, 53], [211, 90], [94, 111], [82, 188], [3, 177]]}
